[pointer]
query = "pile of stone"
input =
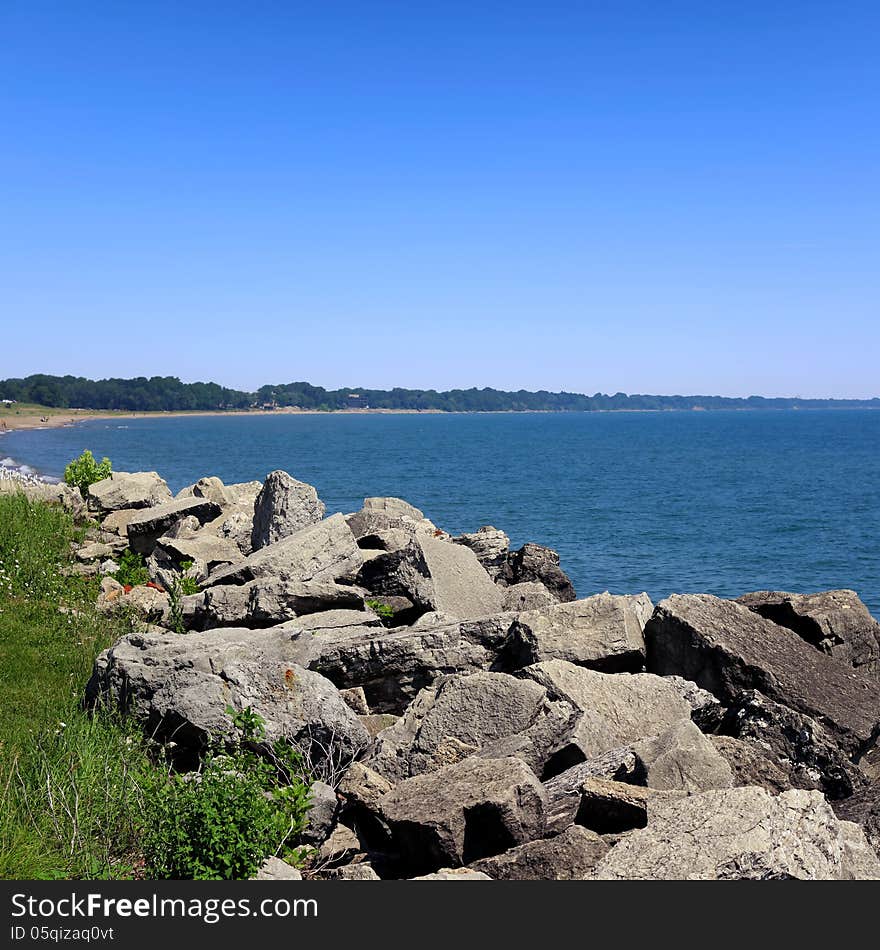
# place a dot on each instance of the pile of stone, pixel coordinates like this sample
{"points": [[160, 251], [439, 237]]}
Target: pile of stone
{"points": [[467, 717]]}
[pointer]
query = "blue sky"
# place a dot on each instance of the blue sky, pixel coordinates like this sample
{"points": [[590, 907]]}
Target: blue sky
{"points": [[638, 196]]}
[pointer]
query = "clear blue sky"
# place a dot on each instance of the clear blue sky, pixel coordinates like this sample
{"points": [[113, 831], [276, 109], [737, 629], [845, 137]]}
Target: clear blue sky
{"points": [[640, 196]]}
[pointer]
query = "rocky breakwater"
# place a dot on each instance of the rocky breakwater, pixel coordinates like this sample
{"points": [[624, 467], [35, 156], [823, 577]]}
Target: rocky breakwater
{"points": [[467, 717]]}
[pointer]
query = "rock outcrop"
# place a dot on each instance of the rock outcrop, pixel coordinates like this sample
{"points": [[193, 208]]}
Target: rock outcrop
{"points": [[283, 507]]}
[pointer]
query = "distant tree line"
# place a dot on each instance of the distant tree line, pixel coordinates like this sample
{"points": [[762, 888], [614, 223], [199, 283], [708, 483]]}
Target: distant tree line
{"points": [[168, 393]]}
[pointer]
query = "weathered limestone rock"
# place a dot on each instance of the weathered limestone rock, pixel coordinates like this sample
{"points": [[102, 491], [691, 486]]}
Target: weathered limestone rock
{"points": [[616, 709], [752, 764], [681, 758], [491, 547], [146, 528], [863, 809], [835, 622], [208, 551], [211, 488], [51, 494], [741, 834], [146, 603], [396, 507], [274, 869], [533, 562], [128, 490], [464, 812], [526, 596], [389, 524], [603, 632], [320, 552], [725, 647], [455, 717], [453, 874], [94, 552], [436, 576], [321, 815], [178, 687], [610, 808], [569, 856], [283, 507], [117, 521]]}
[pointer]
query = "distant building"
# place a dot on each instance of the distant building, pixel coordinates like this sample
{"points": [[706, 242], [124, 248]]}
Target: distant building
{"points": [[355, 401], [8, 402]]}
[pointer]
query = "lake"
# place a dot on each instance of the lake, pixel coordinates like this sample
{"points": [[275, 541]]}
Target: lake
{"points": [[722, 502]]}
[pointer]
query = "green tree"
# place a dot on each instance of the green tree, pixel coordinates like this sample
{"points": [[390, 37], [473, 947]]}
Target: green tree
{"points": [[85, 471]]}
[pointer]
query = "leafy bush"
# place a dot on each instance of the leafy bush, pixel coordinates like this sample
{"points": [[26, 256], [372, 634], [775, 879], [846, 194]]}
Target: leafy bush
{"points": [[382, 610], [188, 584], [246, 803], [85, 471], [132, 570]]}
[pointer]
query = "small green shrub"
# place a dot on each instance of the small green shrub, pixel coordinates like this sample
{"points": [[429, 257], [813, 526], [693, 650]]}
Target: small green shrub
{"points": [[247, 803], [132, 570], [384, 611], [188, 584], [85, 471]]}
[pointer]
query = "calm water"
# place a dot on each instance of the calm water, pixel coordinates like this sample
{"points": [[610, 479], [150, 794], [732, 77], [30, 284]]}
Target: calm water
{"points": [[723, 502]]}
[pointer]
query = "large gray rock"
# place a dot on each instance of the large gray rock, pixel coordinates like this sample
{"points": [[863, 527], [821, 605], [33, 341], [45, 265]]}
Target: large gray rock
{"points": [[569, 856], [835, 622], [395, 507], [616, 709], [741, 834], [491, 547], [267, 602], [610, 808], [393, 665], [799, 744], [320, 552], [211, 488], [128, 490], [603, 632], [389, 524], [863, 808], [725, 648], [526, 596], [464, 812], [436, 575], [179, 687], [283, 507], [533, 562], [752, 764], [459, 715], [681, 758], [205, 552], [453, 874], [146, 528], [274, 869], [51, 494]]}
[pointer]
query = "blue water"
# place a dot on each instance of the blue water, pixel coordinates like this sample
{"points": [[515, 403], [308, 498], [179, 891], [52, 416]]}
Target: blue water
{"points": [[723, 502]]}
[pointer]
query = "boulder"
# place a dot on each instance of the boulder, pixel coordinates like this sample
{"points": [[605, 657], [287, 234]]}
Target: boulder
{"points": [[526, 596], [863, 808], [491, 547], [681, 758], [179, 687], [835, 622], [616, 709], [208, 551], [393, 665], [436, 576], [274, 869], [128, 490], [396, 507], [145, 603], [569, 856], [49, 493], [741, 834], [752, 764], [337, 618], [603, 632], [94, 552], [269, 601], [390, 527], [145, 528], [117, 521], [211, 488], [360, 871], [456, 717], [464, 812], [283, 507], [725, 648], [235, 525], [321, 815], [533, 562], [454, 874], [320, 552], [800, 744]]}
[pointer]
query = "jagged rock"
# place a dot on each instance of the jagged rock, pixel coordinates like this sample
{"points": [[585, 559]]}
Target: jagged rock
{"points": [[706, 710], [321, 815], [283, 507], [206, 550], [681, 758], [741, 834], [609, 807], [616, 709], [94, 552], [389, 524], [526, 596], [569, 856], [603, 632], [393, 665], [799, 743], [274, 869], [361, 871], [863, 808], [835, 622], [268, 602], [491, 547], [361, 790], [128, 490], [356, 699], [146, 528], [436, 576], [396, 507], [338, 618], [320, 552], [209, 487], [376, 723], [533, 562], [236, 525], [456, 717], [464, 812], [110, 584], [146, 603], [179, 687], [752, 764], [51, 494], [725, 647], [117, 521], [453, 874], [109, 566], [343, 846]]}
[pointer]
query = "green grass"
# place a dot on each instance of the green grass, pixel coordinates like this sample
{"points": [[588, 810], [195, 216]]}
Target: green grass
{"points": [[71, 795]]}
